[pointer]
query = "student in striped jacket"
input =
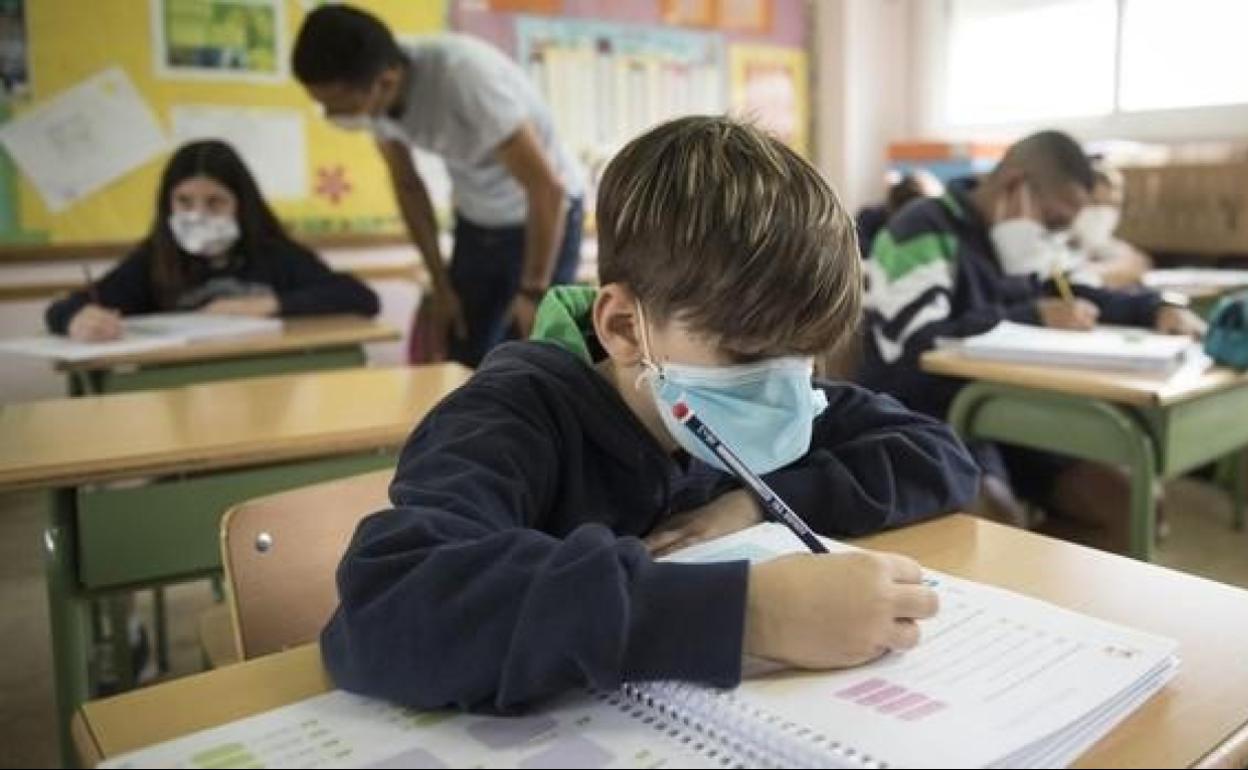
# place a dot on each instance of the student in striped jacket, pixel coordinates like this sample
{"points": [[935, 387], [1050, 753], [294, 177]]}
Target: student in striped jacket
{"points": [[956, 266]]}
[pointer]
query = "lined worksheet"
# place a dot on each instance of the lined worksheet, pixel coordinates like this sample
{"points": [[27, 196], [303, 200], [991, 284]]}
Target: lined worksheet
{"points": [[996, 673]]}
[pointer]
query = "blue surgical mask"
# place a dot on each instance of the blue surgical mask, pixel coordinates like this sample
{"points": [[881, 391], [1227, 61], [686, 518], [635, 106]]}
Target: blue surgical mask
{"points": [[763, 411]]}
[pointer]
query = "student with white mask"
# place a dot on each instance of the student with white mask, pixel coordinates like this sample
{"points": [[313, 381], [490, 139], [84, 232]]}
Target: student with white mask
{"points": [[214, 246], [984, 253], [1096, 249]]}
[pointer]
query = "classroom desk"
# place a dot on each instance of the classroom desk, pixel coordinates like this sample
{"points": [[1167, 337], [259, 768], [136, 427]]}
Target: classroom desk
{"points": [[303, 345], [1199, 719], [207, 447], [1158, 429]]}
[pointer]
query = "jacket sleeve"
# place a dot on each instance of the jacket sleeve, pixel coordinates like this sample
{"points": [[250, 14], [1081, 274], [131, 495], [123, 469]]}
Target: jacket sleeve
{"points": [[909, 298], [127, 288], [455, 597], [1123, 308], [874, 464], [312, 288]]}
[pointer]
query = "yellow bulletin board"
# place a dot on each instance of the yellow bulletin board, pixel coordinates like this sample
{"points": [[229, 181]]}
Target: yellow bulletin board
{"points": [[70, 41], [769, 84]]}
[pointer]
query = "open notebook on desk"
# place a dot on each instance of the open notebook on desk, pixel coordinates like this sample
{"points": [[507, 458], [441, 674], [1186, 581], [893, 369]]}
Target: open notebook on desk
{"points": [[1112, 348], [143, 333], [999, 680]]}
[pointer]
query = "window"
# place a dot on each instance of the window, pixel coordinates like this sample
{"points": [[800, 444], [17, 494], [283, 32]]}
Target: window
{"points": [[1016, 61], [1019, 60], [1183, 54]]}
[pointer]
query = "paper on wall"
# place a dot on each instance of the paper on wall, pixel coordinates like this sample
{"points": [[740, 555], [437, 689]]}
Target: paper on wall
{"points": [[84, 138], [272, 142]]}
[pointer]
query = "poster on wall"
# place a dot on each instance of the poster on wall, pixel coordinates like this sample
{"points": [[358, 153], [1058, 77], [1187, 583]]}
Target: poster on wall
{"points": [[270, 140], [219, 39], [14, 51], [606, 82], [84, 138], [769, 85]]}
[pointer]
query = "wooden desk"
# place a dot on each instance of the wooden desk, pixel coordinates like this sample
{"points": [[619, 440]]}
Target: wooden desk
{"points": [[211, 446], [216, 425], [1158, 429], [311, 344], [1202, 287], [1200, 718]]}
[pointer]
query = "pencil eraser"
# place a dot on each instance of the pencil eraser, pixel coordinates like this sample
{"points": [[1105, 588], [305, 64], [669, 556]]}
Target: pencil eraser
{"points": [[680, 410]]}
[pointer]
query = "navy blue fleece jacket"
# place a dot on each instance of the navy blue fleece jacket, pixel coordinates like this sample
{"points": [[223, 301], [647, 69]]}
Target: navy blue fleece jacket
{"points": [[509, 567]]}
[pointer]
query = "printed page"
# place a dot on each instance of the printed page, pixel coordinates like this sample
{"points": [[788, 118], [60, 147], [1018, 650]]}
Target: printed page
{"points": [[338, 729], [195, 327], [995, 673], [64, 349]]}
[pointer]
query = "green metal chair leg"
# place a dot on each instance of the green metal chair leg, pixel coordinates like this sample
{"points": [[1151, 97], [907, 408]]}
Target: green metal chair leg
{"points": [[1143, 504], [162, 629], [120, 608], [1238, 492], [68, 615]]}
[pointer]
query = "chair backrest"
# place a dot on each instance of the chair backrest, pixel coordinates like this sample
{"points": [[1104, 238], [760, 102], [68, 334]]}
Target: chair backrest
{"points": [[281, 552]]}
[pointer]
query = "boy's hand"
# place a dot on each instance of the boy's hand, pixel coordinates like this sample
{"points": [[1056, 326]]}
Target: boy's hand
{"points": [[834, 610], [95, 324], [722, 516], [1079, 315], [1180, 320]]}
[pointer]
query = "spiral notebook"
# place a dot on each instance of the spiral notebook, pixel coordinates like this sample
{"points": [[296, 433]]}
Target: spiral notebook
{"points": [[1000, 680]]}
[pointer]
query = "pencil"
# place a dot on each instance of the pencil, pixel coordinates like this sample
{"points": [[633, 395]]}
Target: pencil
{"points": [[1063, 286], [773, 506]]}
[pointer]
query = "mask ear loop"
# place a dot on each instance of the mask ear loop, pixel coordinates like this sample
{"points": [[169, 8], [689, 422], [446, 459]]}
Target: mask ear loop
{"points": [[648, 367]]}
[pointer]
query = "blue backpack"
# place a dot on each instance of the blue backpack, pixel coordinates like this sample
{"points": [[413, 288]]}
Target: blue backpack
{"points": [[1227, 339]]}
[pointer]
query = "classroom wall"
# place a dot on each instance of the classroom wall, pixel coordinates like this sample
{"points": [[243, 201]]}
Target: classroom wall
{"points": [[61, 60], [864, 90]]}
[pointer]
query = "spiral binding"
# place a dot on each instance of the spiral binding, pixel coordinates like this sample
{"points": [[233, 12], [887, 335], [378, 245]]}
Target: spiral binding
{"points": [[723, 728]]}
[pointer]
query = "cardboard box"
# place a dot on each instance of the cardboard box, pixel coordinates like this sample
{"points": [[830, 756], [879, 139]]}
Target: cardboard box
{"points": [[1197, 209]]}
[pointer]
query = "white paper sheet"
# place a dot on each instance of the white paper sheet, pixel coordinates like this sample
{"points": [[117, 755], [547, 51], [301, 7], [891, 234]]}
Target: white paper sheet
{"points": [[342, 730], [1198, 277], [272, 142], [144, 333], [84, 138]]}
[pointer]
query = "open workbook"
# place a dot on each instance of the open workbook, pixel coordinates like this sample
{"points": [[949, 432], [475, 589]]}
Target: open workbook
{"points": [[143, 333], [1000, 680], [1107, 347]]}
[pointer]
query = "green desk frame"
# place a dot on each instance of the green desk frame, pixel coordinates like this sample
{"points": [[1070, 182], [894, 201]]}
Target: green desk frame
{"points": [[103, 542], [90, 382], [1154, 443]]}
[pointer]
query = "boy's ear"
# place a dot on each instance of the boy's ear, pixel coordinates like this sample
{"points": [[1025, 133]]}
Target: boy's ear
{"points": [[617, 325]]}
